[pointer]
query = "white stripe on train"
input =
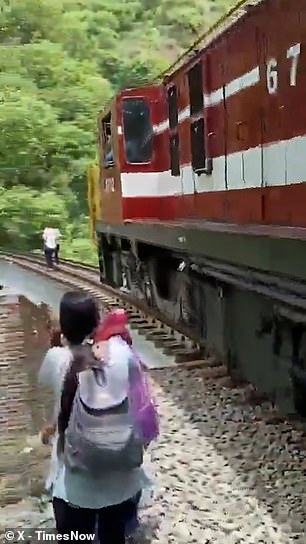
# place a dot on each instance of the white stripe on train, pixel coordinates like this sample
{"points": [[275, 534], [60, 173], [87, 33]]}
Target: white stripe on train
{"points": [[281, 163], [249, 79]]}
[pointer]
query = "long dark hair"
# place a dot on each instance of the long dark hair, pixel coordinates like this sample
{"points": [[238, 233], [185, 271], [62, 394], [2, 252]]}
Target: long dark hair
{"points": [[83, 358], [79, 316], [55, 338]]}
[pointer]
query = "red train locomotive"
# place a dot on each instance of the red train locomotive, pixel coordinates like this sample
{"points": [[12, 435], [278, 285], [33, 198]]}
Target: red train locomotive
{"points": [[199, 206]]}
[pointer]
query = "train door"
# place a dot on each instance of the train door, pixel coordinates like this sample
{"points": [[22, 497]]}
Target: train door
{"points": [[273, 157], [183, 178], [242, 97], [208, 131], [110, 183]]}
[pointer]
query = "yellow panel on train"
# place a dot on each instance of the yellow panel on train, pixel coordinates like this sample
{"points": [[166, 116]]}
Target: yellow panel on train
{"points": [[94, 203]]}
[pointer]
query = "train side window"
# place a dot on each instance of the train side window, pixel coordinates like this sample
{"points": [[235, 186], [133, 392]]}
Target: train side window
{"points": [[137, 130], [106, 140], [172, 107], [197, 139], [195, 83], [174, 155]]}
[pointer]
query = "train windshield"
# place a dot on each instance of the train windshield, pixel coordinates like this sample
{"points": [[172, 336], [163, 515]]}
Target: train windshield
{"points": [[137, 130]]}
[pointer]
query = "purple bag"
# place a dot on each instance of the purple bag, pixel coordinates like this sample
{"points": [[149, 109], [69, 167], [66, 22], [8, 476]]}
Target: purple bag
{"points": [[142, 403]]}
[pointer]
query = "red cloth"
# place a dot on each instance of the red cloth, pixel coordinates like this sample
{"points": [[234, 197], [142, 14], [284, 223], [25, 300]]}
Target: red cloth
{"points": [[113, 324]]}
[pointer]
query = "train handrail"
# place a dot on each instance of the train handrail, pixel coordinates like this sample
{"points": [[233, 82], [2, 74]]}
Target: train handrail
{"points": [[220, 26]]}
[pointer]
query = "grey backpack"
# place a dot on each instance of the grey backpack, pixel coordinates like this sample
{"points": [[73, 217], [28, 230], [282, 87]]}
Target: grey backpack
{"points": [[102, 440]]}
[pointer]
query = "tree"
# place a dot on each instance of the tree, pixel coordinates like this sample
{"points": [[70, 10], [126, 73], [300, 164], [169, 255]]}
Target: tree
{"points": [[29, 20], [24, 213], [28, 125], [60, 62]]}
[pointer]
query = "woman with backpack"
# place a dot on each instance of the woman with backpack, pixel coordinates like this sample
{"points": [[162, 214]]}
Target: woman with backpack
{"points": [[142, 406], [52, 373], [85, 315], [93, 477]]}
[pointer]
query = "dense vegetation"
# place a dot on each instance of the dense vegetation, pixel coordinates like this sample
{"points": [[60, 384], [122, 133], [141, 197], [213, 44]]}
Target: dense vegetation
{"points": [[60, 61]]}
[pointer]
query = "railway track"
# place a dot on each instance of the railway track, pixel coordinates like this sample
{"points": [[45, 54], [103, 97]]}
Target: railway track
{"points": [[224, 474], [174, 341]]}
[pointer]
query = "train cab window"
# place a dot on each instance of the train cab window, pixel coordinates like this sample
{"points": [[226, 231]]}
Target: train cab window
{"points": [[197, 139], [172, 107], [137, 130], [197, 127], [195, 83], [106, 140], [175, 155]]}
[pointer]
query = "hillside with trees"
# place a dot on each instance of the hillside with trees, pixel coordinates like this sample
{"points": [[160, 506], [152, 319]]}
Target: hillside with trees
{"points": [[60, 62]]}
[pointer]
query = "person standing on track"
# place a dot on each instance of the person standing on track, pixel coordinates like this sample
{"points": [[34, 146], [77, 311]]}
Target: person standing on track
{"points": [[57, 247], [49, 238]]}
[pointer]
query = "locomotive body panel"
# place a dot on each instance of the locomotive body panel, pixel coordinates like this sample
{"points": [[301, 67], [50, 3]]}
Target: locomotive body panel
{"points": [[240, 157], [253, 80], [209, 221]]}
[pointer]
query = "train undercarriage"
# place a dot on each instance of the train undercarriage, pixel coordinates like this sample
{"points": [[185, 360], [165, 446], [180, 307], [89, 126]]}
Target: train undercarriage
{"points": [[255, 322]]}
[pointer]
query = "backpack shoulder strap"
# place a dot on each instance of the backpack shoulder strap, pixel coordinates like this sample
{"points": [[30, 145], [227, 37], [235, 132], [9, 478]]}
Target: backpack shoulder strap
{"points": [[70, 386], [134, 368]]}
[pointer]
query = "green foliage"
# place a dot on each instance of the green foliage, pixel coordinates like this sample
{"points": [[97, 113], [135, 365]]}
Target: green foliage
{"points": [[60, 62], [77, 248], [24, 213], [28, 125]]}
